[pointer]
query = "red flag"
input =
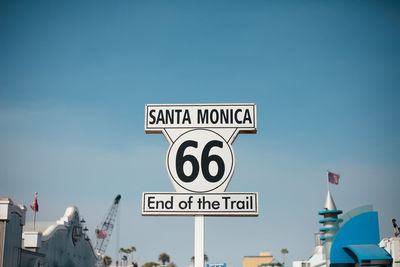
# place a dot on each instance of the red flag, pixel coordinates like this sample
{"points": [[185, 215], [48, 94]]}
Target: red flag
{"points": [[101, 234], [333, 178], [35, 205]]}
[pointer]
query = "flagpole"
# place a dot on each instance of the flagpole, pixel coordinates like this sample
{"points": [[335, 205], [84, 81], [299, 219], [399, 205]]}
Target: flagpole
{"points": [[34, 214], [95, 234], [34, 220], [327, 178]]}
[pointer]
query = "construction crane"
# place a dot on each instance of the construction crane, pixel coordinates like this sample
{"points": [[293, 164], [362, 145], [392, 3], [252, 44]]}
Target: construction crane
{"points": [[103, 234]]}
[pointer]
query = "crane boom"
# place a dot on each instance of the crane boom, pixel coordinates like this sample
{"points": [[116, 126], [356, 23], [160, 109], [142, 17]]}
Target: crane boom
{"points": [[103, 234]]}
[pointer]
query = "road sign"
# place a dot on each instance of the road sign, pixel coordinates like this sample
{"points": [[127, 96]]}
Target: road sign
{"points": [[210, 204], [200, 158], [200, 162]]}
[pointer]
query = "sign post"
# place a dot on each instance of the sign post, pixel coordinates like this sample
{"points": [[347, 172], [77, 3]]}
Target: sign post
{"points": [[199, 241], [200, 162]]}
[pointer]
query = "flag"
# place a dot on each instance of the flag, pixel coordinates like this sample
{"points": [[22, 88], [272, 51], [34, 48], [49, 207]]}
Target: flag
{"points": [[333, 178], [35, 205], [101, 234]]}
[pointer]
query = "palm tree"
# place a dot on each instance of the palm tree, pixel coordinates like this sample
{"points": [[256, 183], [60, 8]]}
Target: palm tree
{"points": [[163, 258], [284, 251], [107, 260], [150, 264], [121, 250], [128, 251], [205, 258], [125, 251], [131, 250], [124, 259]]}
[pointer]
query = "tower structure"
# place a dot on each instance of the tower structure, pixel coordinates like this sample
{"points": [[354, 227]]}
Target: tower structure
{"points": [[330, 222], [103, 234]]}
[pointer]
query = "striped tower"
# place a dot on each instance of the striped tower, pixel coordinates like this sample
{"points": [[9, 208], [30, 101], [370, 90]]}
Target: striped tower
{"points": [[330, 222]]}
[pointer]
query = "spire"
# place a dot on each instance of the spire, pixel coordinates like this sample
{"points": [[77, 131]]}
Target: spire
{"points": [[329, 203], [330, 222]]}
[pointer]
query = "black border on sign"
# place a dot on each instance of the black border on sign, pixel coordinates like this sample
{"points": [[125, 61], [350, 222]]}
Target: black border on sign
{"points": [[198, 105], [205, 213]]}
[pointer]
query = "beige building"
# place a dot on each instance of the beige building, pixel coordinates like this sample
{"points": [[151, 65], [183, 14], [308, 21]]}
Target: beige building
{"points": [[64, 243], [264, 259]]}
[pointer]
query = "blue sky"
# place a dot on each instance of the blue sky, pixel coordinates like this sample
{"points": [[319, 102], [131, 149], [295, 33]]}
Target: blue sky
{"points": [[75, 77]]}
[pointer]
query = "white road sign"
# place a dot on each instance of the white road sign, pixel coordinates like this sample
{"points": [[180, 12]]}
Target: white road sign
{"points": [[200, 158], [200, 162], [210, 204]]}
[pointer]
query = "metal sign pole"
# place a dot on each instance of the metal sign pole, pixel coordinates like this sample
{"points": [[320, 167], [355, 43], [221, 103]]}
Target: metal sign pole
{"points": [[199, 241]]}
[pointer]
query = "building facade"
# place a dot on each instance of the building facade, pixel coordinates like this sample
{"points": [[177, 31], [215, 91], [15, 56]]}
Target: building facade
{"points": [[351, 240], [61, 244], [264, 259]]}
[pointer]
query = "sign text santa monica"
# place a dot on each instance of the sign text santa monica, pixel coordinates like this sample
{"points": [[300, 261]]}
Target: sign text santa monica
{"points": [[200, 116]]}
